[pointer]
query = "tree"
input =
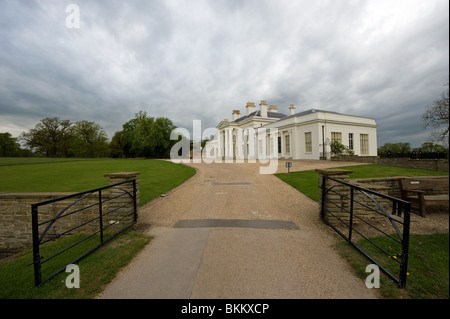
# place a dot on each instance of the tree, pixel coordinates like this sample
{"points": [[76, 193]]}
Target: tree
{"points": [[117, 144], [9, 145], [394, 148], [338, 148], [161, 135], [129, 129], [89, 140], [430, 147], [51, 137], [143, 142], [148, 137], [436, 116]]}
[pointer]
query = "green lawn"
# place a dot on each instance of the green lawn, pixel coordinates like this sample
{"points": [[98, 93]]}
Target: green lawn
{"points": [[76, 175], [428, 262], [96, 270], [306, 181]]}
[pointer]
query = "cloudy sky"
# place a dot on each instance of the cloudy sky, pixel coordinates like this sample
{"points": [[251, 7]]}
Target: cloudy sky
{"points": [[189, 60]]}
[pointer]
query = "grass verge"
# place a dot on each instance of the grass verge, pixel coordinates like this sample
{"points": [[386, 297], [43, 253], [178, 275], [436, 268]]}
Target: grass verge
{"points": [[96, 270], [428, 262]]}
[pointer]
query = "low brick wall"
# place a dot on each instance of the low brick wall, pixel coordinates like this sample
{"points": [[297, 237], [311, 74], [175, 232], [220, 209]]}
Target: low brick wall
{"points": [[15, 212]]}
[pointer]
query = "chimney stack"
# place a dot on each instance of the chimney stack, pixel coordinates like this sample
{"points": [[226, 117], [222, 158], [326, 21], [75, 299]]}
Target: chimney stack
{"points": [[263, 110], [250, 108], [291, 109], [273, 108], [236, 115]]}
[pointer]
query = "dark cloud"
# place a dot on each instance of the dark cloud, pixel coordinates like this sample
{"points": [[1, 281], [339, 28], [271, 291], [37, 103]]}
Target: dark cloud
{"points": [[202, 59]]}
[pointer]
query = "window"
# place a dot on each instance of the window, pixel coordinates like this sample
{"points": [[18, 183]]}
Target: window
{"points": [[308, 143], [288, 144], [336, 137], [350, 141], [364, 141], [279, 144]]}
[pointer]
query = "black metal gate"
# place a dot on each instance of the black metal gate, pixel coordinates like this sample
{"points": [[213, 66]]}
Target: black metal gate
{"points": [[91, 215], [360, 215]]}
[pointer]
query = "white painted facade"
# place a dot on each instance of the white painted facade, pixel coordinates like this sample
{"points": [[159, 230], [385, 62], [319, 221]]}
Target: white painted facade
{"points": [[304, 135]]}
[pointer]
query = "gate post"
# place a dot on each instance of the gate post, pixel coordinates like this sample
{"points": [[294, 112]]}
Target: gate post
{"points": [[131, 188], [325, 206], [125, 176], [36, 254]]}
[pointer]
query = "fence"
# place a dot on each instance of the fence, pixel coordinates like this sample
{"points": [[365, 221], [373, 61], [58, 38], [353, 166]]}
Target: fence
{"points": [[376, 224], [85, 220], [415, 155]]}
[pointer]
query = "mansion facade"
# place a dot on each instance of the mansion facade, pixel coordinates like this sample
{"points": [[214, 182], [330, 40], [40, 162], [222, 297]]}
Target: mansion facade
{"points": [[266, 133]]}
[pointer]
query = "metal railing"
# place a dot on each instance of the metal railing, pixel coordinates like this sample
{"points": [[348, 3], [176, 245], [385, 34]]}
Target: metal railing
{"points": [[415, 155], [361, 215], [84, 216]]}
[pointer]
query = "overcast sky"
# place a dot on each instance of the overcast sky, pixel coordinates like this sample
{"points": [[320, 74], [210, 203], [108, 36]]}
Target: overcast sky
{"points": [[189, 60]]}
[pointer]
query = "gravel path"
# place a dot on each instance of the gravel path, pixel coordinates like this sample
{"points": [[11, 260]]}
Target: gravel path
{"points": [[209, 256]]}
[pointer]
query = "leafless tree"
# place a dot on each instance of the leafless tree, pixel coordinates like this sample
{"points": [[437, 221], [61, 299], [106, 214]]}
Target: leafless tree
{"points": [[436, 117]]}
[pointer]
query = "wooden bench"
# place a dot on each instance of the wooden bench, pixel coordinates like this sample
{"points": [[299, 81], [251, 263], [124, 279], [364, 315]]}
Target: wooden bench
{"points": [[417, 190]]}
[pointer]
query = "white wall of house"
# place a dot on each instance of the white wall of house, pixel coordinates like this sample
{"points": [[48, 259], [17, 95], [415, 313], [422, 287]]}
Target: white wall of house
{"points": [[333, 125], [357, 133]]}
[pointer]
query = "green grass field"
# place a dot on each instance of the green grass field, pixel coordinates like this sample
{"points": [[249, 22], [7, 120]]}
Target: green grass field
{"points": [[96, 270], [76, 175], [428, 262]]}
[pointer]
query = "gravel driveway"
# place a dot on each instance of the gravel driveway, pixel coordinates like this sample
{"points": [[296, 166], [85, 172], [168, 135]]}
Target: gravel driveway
{"points": [[229, 232]]}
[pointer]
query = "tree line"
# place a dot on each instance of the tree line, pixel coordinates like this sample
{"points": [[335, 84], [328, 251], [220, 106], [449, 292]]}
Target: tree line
{"points": [[426, 150], [142, 136]]}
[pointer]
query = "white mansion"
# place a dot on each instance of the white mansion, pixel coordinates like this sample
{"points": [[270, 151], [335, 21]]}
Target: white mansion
{"points": [[267, 133]]}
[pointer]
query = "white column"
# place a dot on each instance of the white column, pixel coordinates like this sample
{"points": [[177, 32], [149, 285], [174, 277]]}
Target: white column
{"points": [[274, 144], [239, 145], [220, 144], [230, 141], [291, 153], [251, 142], [225, 132]]}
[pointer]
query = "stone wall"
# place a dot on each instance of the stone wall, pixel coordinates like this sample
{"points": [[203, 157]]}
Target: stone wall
{"points": [[393, 187], [15, 212]]}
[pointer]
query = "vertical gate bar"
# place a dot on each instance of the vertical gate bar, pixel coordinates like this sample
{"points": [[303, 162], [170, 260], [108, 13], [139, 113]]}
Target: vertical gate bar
{"points": [[135, 200], [405, 246], [36, 254], [350, 228], [100, 211], [322, 208]]}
